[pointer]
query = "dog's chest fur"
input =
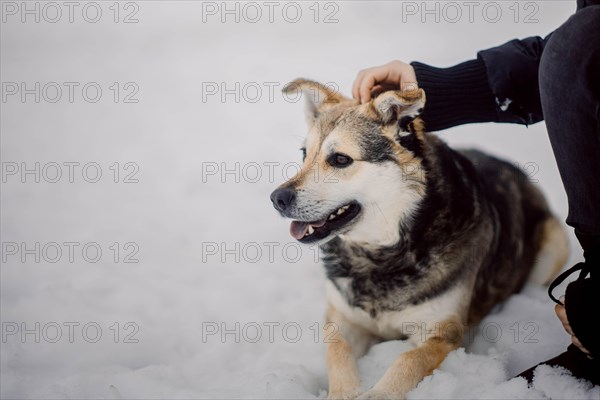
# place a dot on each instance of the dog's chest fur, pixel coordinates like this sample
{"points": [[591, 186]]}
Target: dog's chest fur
{"points": [[412, 322], [386, 289]]}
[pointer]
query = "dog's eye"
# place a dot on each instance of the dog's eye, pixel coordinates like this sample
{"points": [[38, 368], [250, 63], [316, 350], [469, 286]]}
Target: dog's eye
{"points": [[339, 160], [303, 150]]}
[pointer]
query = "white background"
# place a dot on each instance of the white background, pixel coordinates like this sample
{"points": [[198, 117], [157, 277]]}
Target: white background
{"points": [[175, 134]]}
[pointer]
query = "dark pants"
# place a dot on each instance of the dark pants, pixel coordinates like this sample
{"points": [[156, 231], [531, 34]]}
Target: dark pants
{"points": [[569, 79]]}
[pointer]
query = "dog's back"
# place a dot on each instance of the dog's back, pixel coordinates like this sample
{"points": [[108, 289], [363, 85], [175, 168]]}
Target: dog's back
{"points": [[530, 243], [416, 238]]}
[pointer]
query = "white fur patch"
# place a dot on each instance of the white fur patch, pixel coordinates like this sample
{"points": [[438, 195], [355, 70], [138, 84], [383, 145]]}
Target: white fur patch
{"points": [[386, 200], [388, 194], [419, 322], [382, 190]]}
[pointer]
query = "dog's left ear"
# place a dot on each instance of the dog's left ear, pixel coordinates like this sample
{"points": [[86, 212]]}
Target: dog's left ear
{"points": [[317, 97], [395, 105]]}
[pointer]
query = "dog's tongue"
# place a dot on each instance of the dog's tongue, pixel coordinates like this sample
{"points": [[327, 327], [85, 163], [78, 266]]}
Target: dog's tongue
{"points": [[298, 229]]}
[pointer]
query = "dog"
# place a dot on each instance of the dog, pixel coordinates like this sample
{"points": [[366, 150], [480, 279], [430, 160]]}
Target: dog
{"points": [[418, 240]]}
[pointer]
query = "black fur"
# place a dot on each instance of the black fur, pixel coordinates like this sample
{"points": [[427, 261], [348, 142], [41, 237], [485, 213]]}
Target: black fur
{"points": [[376, 148], [478, 217], [411, 143], [405, 124]]}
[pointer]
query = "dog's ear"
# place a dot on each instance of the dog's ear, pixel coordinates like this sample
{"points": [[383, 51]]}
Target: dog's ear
{"points": [[317, 97], [397, 105]]}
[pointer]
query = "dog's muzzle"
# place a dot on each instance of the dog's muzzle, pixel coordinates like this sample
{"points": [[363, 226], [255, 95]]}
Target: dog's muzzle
{"points": [[283, 199]]}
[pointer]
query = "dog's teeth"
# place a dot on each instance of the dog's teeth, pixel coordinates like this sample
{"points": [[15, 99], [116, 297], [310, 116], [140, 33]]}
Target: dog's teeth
{"points": [[332, 216], [311, 230], [340, 211]]}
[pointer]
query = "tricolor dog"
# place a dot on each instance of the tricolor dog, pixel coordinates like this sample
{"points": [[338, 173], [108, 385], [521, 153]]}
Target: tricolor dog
{"points": [[413, 233]]}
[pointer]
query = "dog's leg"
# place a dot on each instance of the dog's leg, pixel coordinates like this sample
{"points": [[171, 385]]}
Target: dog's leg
{"points": [[345, 342], [553, 253], [411, 367]]}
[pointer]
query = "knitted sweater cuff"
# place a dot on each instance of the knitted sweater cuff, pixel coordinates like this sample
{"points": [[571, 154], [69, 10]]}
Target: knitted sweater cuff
{"points": [[455, 96]]}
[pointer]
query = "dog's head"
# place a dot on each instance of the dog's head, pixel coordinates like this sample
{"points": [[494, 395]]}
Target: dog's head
{"points": [[362, 174]]}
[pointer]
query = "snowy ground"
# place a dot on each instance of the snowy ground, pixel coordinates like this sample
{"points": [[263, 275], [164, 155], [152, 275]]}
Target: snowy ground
{"points": [[211, 252]]}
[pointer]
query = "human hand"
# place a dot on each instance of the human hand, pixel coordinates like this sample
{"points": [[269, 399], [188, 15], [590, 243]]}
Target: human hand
{"points": [[396, 75], [561, 312]]}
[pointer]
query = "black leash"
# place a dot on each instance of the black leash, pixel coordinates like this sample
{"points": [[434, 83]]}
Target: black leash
{"points": [[585, 271]]}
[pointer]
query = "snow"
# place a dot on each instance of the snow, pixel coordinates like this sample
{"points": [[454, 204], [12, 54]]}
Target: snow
{"points": [[185, 222]]}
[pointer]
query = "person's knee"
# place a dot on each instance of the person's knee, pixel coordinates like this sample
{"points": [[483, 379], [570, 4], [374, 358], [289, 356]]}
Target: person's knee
{"points": [[573, 49], [580, 30]]}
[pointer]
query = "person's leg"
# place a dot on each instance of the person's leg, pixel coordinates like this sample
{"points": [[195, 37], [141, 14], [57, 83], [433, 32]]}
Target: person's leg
{"points": [[569, 79]]}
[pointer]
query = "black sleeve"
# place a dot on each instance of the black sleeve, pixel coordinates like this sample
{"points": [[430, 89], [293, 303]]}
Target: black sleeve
{"points": [[512, 71], [455, 96], [501, 85]]}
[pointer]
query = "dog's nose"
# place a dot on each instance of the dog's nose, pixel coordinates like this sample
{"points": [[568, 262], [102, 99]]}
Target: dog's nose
{"points": [[283, 198]]}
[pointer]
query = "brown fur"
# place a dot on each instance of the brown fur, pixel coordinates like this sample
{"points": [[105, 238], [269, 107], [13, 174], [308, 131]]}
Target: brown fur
{"points": [[487, 255]]}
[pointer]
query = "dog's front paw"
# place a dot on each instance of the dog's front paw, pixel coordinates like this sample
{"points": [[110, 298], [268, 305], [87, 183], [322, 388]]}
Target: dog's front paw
{"points": [[347, 394], [376, 394]]}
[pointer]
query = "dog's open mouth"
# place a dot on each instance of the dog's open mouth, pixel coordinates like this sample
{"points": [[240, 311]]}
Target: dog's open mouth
{"points": [[307, 232]]}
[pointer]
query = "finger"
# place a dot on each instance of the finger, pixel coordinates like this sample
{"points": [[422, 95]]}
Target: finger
{"points": [[409, 86], [377, 90], [560, 312], [563, 319], [562, 300], [356, 85], [365, 88], [371, 78], [568, 329], [577, 343], [382, 75], [390, 86]]}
